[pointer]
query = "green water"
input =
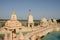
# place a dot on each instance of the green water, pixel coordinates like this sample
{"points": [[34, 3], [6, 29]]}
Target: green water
{"points": [[52, 36]]}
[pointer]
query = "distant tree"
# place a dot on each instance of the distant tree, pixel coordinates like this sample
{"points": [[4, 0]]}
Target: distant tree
{"points": [[58, 20], [2, 24], [35, 24]]}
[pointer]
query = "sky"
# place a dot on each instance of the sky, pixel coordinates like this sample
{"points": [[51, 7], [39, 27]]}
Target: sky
{"points": [[39, 8]]}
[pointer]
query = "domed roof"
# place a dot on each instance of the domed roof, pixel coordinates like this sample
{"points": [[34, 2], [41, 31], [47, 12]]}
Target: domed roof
{"points": [[13, 12], [54, 20], [13, 16], [13, 22], [50, 21], [44, 19]]}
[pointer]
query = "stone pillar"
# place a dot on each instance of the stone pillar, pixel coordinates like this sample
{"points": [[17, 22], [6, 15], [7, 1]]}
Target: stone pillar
{"points": [[5, 37], [10, 38], [21, 36], [33, 37], [14, 36], [17, 37], [28, 25], [32, 25]]}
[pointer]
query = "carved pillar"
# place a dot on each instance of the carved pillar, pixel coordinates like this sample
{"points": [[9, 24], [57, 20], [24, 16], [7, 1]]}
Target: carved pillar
{"points": [[12, 34], [32, 25], [21, 37], [28, 25], [33, 37], [5, 37], [10, 38]]}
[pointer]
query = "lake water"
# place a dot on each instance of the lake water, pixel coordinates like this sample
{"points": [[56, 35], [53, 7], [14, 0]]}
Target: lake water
{"points": [[52, 36]]}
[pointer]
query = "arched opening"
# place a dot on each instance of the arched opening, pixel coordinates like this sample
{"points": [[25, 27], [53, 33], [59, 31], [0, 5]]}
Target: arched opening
{"points": [[30, 25]]}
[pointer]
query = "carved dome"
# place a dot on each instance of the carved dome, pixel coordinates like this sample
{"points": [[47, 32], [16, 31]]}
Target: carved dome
{"points": [[13, 22], [13, 16], [44, 20], [49, 21]]}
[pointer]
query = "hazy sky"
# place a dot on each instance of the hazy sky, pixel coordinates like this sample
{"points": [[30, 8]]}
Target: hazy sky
{"points": [[40, 8]]}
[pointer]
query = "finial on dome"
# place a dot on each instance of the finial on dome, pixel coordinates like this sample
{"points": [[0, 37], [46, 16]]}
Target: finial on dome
{"points": [[29, 10], [30, 13], [13, 16], [13, 12]]}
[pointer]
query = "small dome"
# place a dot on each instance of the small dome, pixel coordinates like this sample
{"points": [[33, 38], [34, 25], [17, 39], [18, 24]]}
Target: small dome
{"points": [[54, 20], [13, 22], [50, 21], [44, 20], [13, 16], [13, 12]]}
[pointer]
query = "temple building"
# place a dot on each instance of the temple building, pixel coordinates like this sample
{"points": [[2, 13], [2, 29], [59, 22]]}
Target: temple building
{"points": [[50, 22], [12, 26], [43, 22], [17, 31], [30, 20], [13, 22]]}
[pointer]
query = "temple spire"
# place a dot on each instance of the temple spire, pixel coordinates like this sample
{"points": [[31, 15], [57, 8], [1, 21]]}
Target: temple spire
{"points": [[30, 13], [13, 12], [30, 19], [13, 16], [29, 10]]}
